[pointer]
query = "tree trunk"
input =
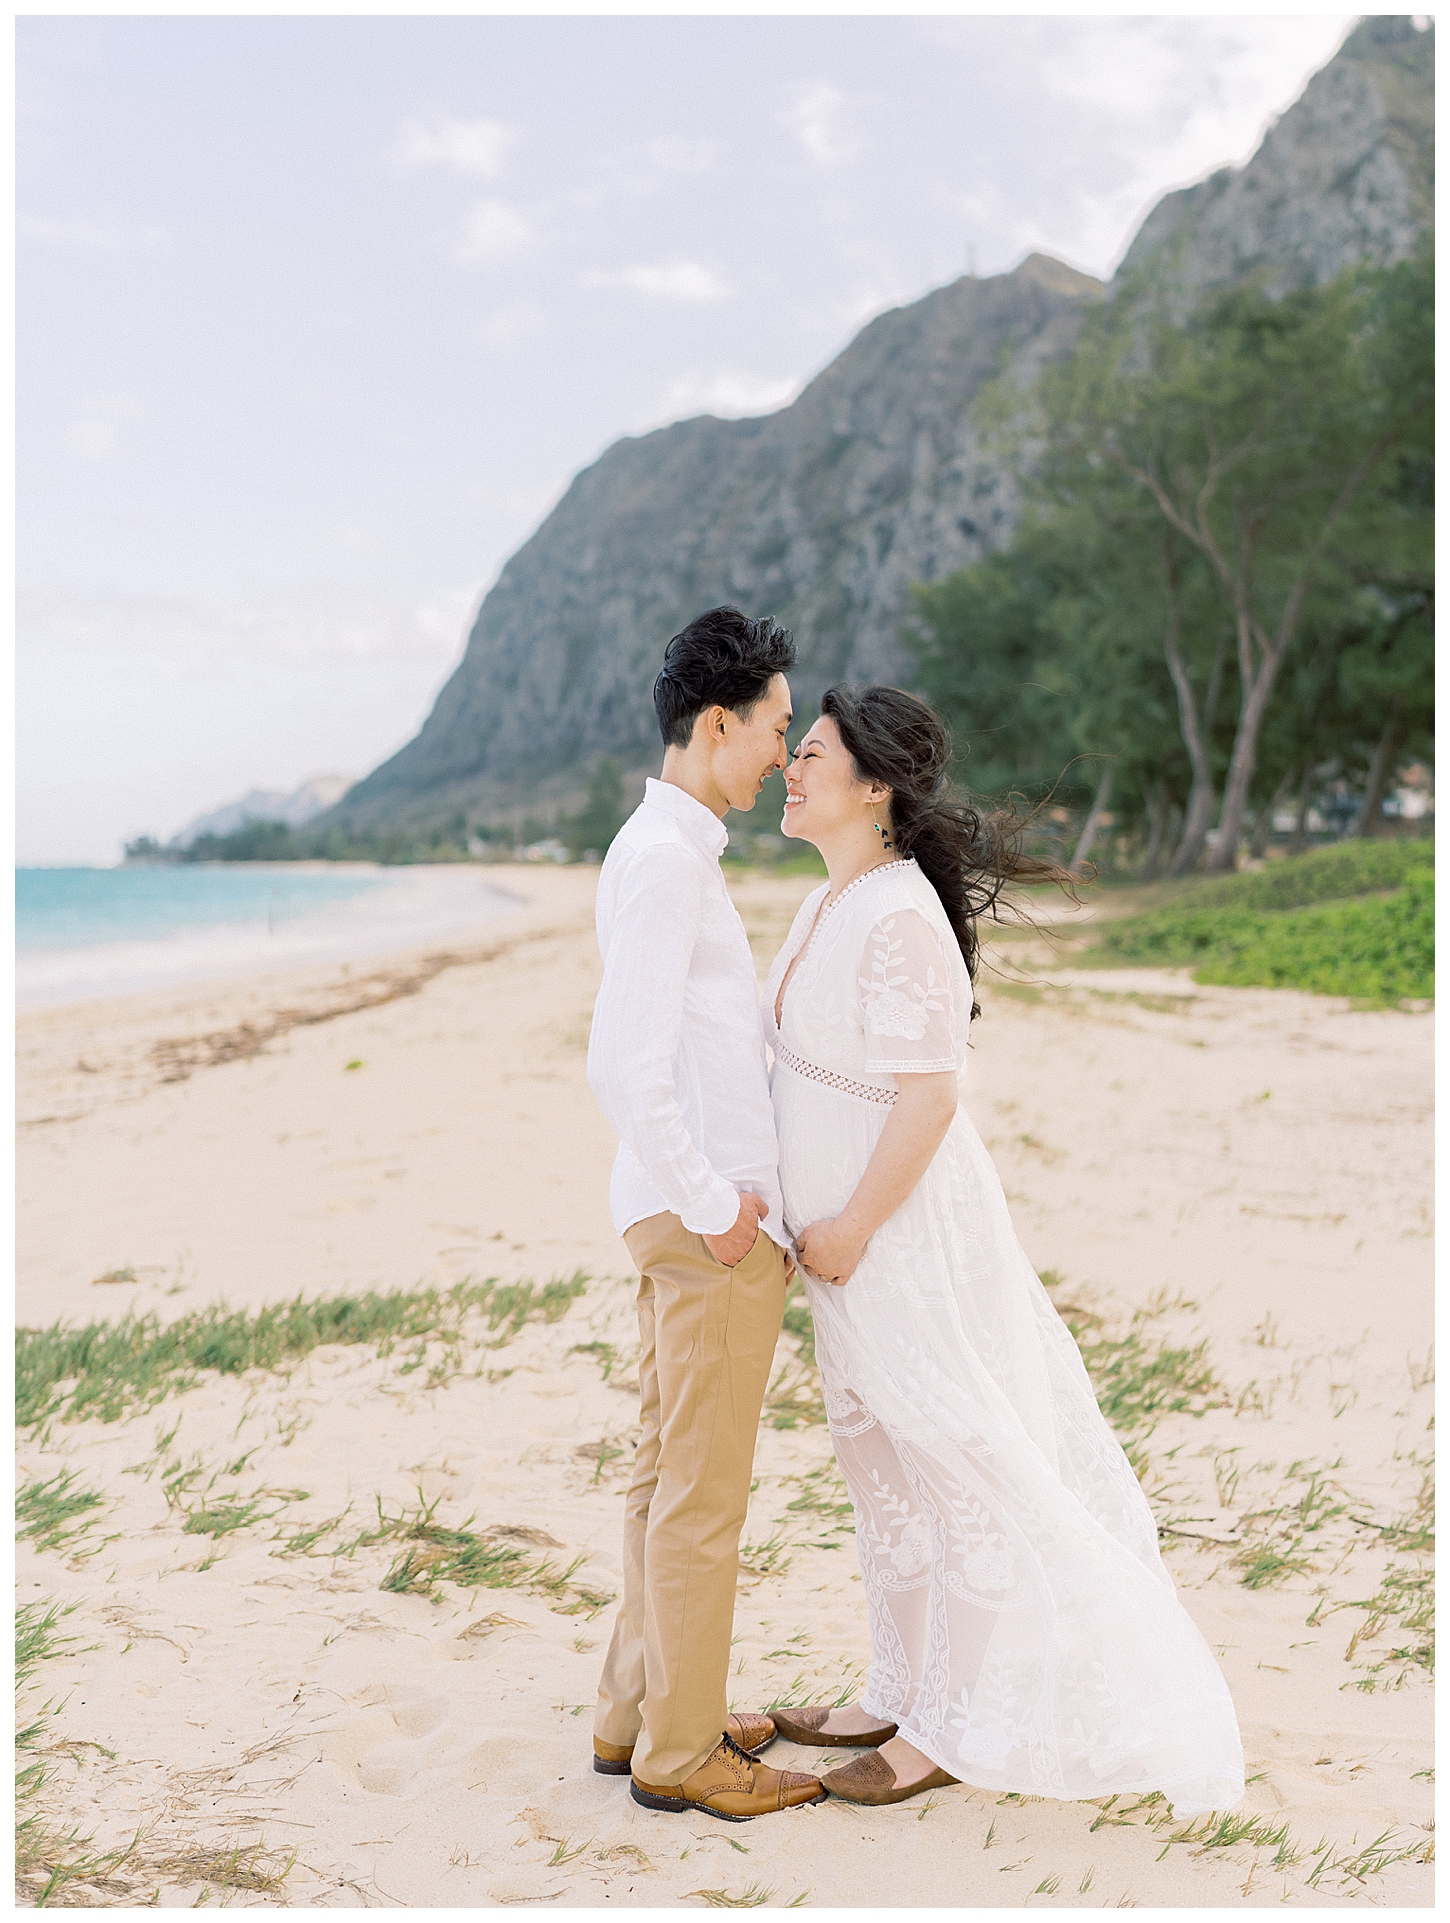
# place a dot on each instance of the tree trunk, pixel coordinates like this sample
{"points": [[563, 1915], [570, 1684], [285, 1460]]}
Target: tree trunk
{"points": [[1197, 820], [1202, 796], [1264, 824], [1095, 815], [1257, 690], [1366, 822], [1306, 790], [1158, 810]]}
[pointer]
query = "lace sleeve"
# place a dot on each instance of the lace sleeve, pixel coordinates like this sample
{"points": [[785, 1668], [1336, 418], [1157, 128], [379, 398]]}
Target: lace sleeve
{"points": [[906, 998]]}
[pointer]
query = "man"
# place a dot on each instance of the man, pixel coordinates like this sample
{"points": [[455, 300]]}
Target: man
{"points": [[677, 1062]]}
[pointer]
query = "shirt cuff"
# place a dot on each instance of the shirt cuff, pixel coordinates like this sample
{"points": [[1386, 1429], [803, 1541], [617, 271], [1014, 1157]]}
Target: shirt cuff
{"points": [[716, 1212]]}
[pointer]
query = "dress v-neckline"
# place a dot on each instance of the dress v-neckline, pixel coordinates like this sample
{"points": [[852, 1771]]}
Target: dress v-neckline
{"points": [[795, 961], [823, 913]]}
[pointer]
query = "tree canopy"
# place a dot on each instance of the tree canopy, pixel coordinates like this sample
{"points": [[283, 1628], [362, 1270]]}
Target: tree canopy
{"points": [[1222, 579]]}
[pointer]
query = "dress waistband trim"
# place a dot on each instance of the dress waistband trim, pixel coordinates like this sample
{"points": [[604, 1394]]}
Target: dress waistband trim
{"points": [[863, 1091]]}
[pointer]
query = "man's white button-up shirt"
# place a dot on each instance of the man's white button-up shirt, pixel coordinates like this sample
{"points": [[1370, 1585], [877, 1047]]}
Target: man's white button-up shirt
{"points": [[676, 1054]]}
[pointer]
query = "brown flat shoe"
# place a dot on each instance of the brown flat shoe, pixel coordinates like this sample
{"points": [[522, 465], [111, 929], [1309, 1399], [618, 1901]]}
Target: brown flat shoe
{"points": [[804, 1726], [753, 1733], [871, 1779], [730, 1784]]}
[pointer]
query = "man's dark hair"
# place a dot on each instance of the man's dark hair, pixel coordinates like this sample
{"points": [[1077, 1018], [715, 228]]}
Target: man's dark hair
{"points": [[721, 660]]}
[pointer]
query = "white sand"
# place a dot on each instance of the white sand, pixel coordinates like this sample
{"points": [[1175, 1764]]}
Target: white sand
{"points": [[1266, 1155]]}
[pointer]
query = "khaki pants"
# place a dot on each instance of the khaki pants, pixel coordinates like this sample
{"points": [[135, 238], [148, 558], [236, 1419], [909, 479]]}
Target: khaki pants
{"points": [[707, 1339]]}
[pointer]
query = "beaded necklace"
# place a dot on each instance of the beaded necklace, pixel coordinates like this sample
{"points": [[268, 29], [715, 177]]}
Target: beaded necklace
{"points": [[823, 913], [881, 868]]}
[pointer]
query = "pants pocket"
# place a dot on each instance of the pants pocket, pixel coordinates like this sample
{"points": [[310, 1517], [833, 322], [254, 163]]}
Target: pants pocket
{"points": [[760, 1236]]}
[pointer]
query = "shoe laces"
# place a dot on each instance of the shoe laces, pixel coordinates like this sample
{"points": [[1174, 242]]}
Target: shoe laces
{"points": [[733, 1748]]}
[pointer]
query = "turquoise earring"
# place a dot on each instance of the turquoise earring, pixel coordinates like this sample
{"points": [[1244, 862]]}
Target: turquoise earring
{"points": [[885, 838]]}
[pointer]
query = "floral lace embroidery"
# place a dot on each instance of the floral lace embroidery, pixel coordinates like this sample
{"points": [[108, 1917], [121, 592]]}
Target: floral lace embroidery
{"points": [[1025, 1634], [888, 1010]]}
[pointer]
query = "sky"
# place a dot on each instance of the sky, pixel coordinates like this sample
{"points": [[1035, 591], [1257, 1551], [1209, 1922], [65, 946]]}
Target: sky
{"points": [[317, 317]]}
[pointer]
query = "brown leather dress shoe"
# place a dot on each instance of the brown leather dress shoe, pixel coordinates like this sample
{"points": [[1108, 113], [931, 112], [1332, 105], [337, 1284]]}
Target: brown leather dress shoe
{"points": [[871, 1779], [804, 1726], [730, 1784], [753, 1733]]}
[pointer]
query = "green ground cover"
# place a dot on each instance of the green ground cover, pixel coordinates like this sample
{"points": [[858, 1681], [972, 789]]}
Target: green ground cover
{"points": [[110, 1368], [1357, 920]]}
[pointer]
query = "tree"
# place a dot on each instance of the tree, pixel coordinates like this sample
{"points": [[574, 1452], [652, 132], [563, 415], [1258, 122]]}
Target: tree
{"points": [[602, 816], [1046, 661], [147, 848], [982, 644], [253, 841], [1257, 430]]}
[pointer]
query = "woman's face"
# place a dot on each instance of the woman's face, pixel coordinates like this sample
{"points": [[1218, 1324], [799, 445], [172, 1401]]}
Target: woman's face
{"points": [[824, 795]]}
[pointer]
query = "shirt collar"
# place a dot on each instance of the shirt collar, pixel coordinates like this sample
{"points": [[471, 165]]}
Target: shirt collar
{"points": [[700, 826]]}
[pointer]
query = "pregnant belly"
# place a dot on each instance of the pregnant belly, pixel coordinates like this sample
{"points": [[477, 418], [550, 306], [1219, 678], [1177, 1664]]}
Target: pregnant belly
{"points": [[826, 1140]]}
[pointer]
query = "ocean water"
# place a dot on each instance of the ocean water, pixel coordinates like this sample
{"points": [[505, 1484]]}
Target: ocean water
{"points": [[60, 908], [86, 934]]}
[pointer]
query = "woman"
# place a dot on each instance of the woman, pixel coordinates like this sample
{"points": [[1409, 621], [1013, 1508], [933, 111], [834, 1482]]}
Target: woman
{"points": [[1025, 1635]]}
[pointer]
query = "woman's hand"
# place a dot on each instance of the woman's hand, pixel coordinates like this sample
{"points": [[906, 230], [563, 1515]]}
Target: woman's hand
{"points": [[830, 1249], [915, 1129]]}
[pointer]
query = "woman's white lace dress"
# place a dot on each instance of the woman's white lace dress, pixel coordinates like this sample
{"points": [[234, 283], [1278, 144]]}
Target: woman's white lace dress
{"points": [[1025, 1634]]}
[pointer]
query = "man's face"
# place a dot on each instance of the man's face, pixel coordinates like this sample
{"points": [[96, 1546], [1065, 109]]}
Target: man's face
{"points": [[754, 745]]}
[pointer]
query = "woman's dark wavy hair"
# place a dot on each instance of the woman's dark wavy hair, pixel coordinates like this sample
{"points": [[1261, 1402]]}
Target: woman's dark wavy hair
{"points": [[968, 856]]}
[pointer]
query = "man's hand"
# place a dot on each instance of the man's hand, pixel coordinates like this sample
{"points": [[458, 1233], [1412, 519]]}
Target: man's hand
{"points": [[735, 1244], [830, 1249]]}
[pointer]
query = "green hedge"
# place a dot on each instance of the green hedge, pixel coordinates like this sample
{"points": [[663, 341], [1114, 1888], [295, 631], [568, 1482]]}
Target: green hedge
{"points": [[1326, 922], [1380, 950], [1326, 874]]}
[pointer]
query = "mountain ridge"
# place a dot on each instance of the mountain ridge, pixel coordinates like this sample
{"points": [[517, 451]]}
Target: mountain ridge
{"points": [[825, 512], [295, 806]]}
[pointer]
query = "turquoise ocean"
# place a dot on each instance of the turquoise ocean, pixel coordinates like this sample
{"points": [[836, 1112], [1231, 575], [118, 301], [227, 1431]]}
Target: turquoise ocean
{"points": [[61, 908], [87, 934], [81, 906]]}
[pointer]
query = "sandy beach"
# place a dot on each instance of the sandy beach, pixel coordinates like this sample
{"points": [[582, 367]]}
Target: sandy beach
{"points": [[266, 1723]]}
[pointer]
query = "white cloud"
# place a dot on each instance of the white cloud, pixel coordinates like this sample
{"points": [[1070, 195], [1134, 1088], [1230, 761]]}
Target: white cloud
{"points": [[491, 230], [620, 179], [94, 433], [725, 393], [309, 626], [514, 321], [104, 236], [679, 280], [472, 147], [816, 121]]}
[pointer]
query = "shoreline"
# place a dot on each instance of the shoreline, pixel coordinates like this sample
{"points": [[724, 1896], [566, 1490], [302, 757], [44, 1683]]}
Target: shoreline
{"points": [[403, 909]]}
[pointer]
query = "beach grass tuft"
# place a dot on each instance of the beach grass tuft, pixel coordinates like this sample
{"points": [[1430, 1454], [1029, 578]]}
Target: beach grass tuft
{"points": [[48, 1862], [238, 1867], [109, 1370], [431, 1553], [608, 1358], [753, 1897], [57, 1513], [824, 1495], [1136, 1375], [769, 1558], [794, 1398], [1403, 1604], [222, 1518]]}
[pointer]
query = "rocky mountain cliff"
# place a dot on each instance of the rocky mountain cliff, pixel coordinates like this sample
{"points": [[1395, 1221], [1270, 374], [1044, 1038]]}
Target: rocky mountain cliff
{"points": [[825, 513], [821, 514], [1347, 174]]}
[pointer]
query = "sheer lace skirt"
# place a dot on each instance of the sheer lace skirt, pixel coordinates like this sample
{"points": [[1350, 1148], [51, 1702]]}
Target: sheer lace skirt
{"points": [[1025, 1634]]}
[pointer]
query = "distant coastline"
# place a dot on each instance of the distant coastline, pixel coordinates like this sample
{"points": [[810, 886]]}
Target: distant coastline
{"points": [[89, 934]]}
